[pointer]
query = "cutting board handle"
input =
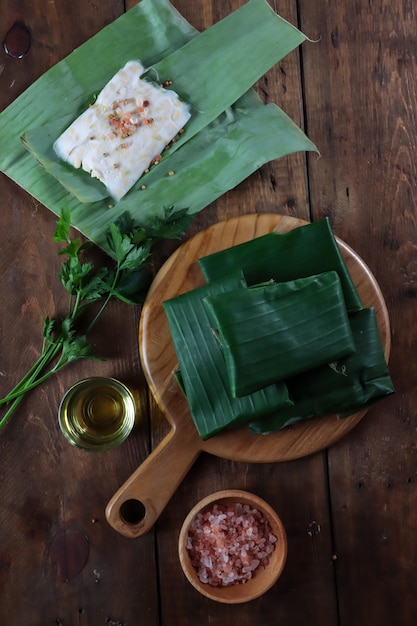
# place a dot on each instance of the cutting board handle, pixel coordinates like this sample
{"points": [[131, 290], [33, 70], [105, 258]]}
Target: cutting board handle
{"points": [[135, 507]]}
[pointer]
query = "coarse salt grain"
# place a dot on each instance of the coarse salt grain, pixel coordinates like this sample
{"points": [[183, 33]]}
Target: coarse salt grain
{"points": [[228, 543]]}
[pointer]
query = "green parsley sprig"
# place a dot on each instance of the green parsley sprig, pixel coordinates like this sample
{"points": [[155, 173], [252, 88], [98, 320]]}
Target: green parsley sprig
{"points": [[126, 279]]}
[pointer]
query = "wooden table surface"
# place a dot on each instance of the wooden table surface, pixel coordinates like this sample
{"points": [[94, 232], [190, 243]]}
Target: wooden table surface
{"points": [[350, 511]]}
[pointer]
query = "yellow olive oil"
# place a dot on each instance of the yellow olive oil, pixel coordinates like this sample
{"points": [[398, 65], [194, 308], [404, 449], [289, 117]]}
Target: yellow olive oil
{"points": [[97, 413]]}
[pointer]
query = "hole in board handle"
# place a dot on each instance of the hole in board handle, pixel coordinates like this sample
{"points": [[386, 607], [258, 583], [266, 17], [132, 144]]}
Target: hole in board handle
{"points": [[132, 511]]}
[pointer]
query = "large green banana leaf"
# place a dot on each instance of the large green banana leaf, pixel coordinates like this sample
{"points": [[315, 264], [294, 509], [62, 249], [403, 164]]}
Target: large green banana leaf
{"points": [[208, 73], [154, 32], [214, 161]]}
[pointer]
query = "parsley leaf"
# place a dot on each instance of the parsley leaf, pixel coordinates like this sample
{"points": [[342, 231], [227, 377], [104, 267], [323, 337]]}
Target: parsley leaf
{"points": [[127, 280]]}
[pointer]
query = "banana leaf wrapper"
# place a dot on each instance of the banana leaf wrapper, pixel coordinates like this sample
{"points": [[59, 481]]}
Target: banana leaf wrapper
{"points": [[304, 251], [271, 332], [152, 31], [203, 377], [342, 387]]}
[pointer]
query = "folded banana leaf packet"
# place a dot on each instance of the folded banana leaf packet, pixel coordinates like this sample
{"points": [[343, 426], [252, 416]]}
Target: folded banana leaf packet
{"points": [[274, 331], [263, 329], [203, 368]]}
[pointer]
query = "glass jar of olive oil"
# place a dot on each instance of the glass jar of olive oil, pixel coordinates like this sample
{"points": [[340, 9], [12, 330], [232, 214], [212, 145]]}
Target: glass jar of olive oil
{"points": [[97, 413]]}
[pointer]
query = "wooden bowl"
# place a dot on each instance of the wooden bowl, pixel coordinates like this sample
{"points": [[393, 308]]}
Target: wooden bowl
{"points": [[262, 579]]}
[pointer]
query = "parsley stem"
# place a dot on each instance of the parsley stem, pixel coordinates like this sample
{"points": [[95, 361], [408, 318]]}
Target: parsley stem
{"points": [[30, 380], [105, 303], [10, 411]]}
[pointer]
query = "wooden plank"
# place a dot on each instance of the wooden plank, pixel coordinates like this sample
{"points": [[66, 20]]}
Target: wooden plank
{"points": [[279, 187], [360, 95], [60, 562]]}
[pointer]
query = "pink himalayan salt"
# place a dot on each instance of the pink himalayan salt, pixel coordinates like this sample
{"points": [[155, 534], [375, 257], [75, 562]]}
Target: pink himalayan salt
{"points": [[228, 543]]}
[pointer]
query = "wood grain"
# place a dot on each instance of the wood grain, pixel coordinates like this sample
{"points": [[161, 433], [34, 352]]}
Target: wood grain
{"points": [[350, 510]]}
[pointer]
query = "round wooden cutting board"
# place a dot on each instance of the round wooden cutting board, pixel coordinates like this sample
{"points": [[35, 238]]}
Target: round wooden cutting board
{"points": [[157, 478]]}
